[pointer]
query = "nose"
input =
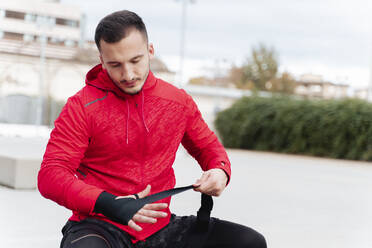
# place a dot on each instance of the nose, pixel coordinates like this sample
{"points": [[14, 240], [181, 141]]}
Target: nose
{"points": [[127, 73]]}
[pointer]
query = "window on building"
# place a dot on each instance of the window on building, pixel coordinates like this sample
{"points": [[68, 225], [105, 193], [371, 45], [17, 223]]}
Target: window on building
{"points": [[60, 21], [15, 14], [13, 36], [65, 22]]}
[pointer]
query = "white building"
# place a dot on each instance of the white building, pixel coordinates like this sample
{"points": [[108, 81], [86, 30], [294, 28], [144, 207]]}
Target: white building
{"points": [[361, 93], [25, 24], [309, 85], [39, 46]]}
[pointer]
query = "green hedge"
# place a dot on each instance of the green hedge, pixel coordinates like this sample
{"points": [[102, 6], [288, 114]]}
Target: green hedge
{"points": [[327, 128]]}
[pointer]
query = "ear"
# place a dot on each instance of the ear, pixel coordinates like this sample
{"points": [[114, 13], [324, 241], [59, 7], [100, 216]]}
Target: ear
{"points": [[101, 60], [151, 50]]}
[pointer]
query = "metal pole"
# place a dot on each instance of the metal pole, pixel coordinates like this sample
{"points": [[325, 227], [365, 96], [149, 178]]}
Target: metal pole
{"points": [[182, 41], [40, 103], [369, 92], [83, 22]]}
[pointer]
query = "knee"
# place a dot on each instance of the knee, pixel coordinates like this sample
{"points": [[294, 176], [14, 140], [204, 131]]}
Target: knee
{"points": [[254, 241], [85, 240], [261, 241]]}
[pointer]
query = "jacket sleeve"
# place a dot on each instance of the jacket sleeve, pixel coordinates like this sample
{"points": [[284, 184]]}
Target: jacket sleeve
{"points": [[202, 143], [66, 147]]}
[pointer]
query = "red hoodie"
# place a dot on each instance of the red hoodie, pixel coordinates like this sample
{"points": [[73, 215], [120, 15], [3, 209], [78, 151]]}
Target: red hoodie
{"points": [[106, 140]]}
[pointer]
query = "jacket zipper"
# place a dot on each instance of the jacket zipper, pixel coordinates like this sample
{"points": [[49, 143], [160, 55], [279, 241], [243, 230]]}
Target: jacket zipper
{"points": [[142, 185], [143, 151]]}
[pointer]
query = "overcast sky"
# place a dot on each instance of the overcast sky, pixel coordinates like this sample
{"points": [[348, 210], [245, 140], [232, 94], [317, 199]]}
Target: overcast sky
{"points": [[326, 37]]}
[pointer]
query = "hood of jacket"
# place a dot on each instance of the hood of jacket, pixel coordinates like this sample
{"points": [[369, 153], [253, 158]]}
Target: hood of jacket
{"points": [[99, 78]]}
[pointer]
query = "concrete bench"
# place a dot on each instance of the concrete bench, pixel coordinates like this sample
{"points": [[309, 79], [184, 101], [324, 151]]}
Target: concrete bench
{"points": [[21, 151], [19, 173]]}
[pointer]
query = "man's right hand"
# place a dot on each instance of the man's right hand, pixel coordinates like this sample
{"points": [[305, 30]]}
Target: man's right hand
{"points": [[149, 213], [124, 210]]}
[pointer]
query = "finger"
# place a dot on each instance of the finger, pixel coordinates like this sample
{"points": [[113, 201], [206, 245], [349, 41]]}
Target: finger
{"points": [[197, 183], [155, 206], [143, 219], [152, 213], [134, 226], [210, 187], [145, 192], [141, 194], [127, 196], [200, 181]]}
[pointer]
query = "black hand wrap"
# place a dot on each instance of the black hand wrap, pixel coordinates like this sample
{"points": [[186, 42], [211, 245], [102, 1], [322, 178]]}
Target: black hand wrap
{"points": [[119, 210], [122, 210]]}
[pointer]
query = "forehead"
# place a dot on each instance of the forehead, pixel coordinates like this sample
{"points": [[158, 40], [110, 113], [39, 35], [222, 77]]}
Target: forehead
{"points": [[134, 44]]}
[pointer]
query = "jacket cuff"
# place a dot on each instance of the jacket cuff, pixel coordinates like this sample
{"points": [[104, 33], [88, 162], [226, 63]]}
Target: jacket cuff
{"points": [[90, 201], [223, 165]]}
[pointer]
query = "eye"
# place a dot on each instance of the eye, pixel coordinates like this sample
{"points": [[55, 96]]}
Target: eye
{"points": [[135, 61], [115, 65]]}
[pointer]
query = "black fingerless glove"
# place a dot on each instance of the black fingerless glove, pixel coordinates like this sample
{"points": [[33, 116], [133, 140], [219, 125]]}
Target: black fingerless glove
{"points": [[121, 210]]}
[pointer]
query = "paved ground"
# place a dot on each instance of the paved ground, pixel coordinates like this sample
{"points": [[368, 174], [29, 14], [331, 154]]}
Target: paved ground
{"points": [[294, 201]]}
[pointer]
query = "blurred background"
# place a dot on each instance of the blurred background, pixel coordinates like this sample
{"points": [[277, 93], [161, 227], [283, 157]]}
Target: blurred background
{"points": [[308, 48], [289, 77]]}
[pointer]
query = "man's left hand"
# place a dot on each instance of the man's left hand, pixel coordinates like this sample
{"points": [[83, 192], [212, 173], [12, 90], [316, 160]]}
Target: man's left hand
{"points": [[212, 182]]}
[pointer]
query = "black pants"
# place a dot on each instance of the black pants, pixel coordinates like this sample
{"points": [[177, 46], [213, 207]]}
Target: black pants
{"points": [[92, 233]]}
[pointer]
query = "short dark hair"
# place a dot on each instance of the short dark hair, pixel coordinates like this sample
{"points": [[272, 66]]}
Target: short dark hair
{"points": [[114, 27]]}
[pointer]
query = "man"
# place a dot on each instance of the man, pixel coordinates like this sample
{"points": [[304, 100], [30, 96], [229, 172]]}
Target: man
{"points": [[116, 140]]}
